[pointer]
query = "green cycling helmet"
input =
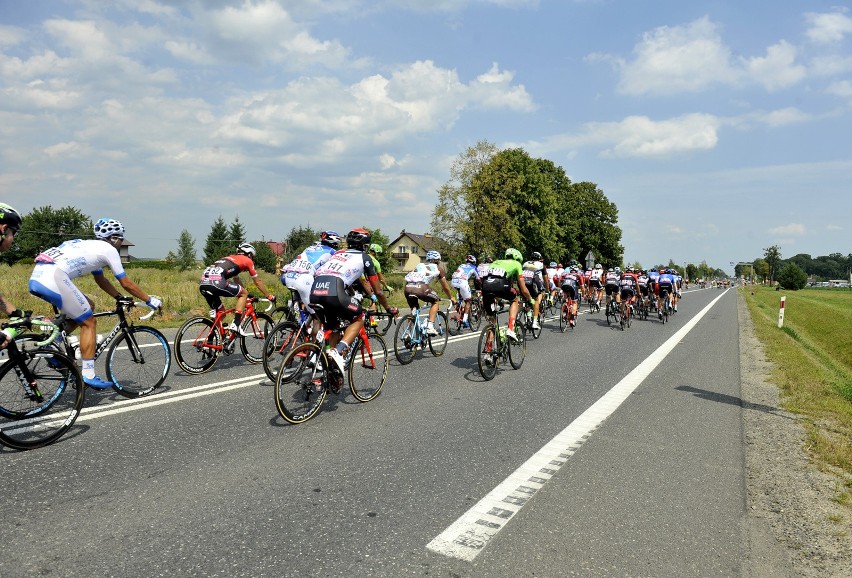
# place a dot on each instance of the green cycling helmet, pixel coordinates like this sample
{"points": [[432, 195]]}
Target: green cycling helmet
{"points": [[514, 254], [376, 248]]}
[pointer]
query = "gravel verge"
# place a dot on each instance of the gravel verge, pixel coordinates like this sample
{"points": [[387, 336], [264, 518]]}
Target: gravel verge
{"points": [[794, 526]]}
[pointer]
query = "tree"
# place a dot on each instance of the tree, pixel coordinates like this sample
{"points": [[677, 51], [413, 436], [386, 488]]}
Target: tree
{"points": [[236, 234], [185, 258], [265, 257], [218, 244], [773, 258], [792, 277], [761, 270], [47, 227], [588, 222], [691, 272], [297, 239]]}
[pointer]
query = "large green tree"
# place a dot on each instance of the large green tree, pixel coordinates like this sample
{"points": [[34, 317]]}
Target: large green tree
{"points": [[772, 255], [265, 258], [297, 239], [185, 258], [46, 227], [236, 233], [590, 223], [218, 243]]}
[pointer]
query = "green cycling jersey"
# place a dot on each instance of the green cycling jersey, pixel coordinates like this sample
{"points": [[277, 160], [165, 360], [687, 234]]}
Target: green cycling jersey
{"points": [[508, 268]]}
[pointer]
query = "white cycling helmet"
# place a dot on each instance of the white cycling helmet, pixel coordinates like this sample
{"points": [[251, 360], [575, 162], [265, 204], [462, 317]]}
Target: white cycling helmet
{"points": [[106, 228], [433, 256], [247, 249]]}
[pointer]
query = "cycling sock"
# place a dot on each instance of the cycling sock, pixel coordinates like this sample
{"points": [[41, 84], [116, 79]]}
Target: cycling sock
{"points": [[88, 368], [341, 346]]}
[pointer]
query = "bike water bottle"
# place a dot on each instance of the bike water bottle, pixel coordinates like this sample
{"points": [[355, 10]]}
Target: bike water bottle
{"points": [[502, 334]]}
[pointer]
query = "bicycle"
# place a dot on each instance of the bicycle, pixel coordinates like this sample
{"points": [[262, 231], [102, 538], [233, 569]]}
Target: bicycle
{"points": [[41, 389], [411, 336], [666, 309], [306, 375], [286, 312], [378, 319], [200, 341], [567, 318], [613, 311], [281, 339], [495, 346], [525, 320], [455, 315], [626, 314], [138, 357]]}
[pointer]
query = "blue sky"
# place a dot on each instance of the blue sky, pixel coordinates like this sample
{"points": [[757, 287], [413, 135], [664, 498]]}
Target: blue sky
{"points": [[718, 128]]}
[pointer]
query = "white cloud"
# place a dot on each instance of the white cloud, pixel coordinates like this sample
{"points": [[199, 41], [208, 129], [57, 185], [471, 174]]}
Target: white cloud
{"points": [[828, 28], [778, 69], [793, 229], [841, 88], [640, 136], [11, 35]]}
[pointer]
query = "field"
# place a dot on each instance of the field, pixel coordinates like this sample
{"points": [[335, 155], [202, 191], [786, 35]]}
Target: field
{"points": [[812, 355]]}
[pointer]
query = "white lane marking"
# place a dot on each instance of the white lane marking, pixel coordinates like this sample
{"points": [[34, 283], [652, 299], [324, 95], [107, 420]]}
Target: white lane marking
{"points": [[470, 534]]}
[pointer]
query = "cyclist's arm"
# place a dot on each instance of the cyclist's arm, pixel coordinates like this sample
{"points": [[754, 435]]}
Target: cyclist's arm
{"points": [[133, 289], [7, 306], [258, 282], [106, 286], [522, 287], [371, 287]]}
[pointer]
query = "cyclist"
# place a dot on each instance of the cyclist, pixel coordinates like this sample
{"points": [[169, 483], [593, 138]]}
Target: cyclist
{"points": [[628, 287], [461, 282], [334, 291], [221, 279], [375, 251], [417, 287], [653, 288], [10, 224], [497, 283], [596, 278], [676, 294], [52, 280], [665, 286], [611, 283], [298, 275], [642, 278], [535, 278], [571, 286]]}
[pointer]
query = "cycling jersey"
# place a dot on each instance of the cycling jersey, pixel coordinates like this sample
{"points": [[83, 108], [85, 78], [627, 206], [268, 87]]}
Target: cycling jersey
{"points": [[551, 274], [533, 272], [460, 279], [425, 273], [57, 266], [497, 282], [219, 279], [629, 284], [298, 275], [332, 288]]}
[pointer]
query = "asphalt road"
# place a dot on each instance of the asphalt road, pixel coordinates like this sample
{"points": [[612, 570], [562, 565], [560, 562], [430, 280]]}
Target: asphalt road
{"points": [[640, 433]]}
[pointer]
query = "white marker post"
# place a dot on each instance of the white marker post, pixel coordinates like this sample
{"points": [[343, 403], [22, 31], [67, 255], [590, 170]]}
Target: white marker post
{"points": [[781, 313]]}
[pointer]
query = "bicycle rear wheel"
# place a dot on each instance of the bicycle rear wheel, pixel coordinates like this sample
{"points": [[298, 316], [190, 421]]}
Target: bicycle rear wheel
{"points": [[405, 340], [29, 421], [454, 320], [252, 345], [300, 387], [138, 361], [563, 319], [518, 349], [475, 315], [197, 345], [368, 367], [438, 343], [487, 356], [278, 343]]}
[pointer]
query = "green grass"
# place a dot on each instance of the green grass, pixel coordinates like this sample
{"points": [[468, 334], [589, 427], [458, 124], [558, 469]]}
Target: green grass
{"points": [[812, 354]]}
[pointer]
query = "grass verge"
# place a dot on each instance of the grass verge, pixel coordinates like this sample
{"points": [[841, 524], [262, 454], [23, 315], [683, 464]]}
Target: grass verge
{"points": [[812, 355]]}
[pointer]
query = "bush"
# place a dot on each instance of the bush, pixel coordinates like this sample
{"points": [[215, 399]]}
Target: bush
{"points": [[792, 277]]}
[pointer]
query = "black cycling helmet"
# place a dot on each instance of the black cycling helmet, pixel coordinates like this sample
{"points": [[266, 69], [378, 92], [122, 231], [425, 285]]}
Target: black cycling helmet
{"points": [[536, 256], [10, 217], [358, 239]]}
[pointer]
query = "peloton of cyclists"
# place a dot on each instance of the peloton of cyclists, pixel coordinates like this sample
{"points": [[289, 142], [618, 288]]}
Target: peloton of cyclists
{"points": [[298, 275]]}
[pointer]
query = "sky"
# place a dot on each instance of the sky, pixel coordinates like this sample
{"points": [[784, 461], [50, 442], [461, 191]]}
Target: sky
{"points": [[718, 128]]}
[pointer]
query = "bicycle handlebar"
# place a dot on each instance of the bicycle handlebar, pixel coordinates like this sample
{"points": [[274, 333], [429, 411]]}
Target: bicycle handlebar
{"points": [[42, 325]]}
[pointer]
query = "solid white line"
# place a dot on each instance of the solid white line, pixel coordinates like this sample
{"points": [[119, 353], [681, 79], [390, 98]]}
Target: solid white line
{"points": [[470, 534]]}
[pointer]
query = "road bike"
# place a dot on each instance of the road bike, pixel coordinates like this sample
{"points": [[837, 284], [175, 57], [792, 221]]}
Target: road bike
{"points": [[613, 311], [666, 309], [138, 357], [496, 347], [378, 319], [306, 375], [411, 336], [525, 319], [627, 312], [200, 340], [567, 318], [41, 389], [282, 338], [455, 315]]}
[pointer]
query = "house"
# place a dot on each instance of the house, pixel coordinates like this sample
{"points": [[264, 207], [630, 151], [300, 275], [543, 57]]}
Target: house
{"points": [[409, 249], [124, 250]]}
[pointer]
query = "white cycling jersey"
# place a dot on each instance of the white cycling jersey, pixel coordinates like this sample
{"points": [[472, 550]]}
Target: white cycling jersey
{"points": [[423, 273], [79, 257]]}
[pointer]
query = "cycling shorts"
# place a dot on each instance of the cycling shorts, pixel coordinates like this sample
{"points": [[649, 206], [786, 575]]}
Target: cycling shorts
{"points": [[214, 289], [595, 283], [463, 288], [52, 284], [535, 287], [335, 304], [421, 291], [627, 292], [494, 287], [611, 289], [570, 291], [300, 285]]}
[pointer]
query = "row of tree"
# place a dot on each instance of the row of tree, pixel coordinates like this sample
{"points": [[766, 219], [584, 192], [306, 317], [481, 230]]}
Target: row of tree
{"points": [[769, 268]]}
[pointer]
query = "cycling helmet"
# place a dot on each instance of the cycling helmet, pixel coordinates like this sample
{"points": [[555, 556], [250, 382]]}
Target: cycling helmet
{"points": [[248, 250], [358, 238], [553, 264], [610, 270], [629, 270], [598, 266], [433, 256], [376, 248], [330, 239], [470, 259], [618, 269], [536, 256], [514, 254], [573, 262], [10, 217], [106, 228]]}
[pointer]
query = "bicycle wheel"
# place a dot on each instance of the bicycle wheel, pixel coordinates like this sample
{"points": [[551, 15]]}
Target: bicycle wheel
{"points": [[475, 315], [518, 349], [405, 340], [281, 313], [438, 343], [563, 319], [138, 361], [197, 345], [252, 345], [454, 320], [536, 333], [30, 420], [300, 387], [487, 356], [278, 343], [368, 367]]}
